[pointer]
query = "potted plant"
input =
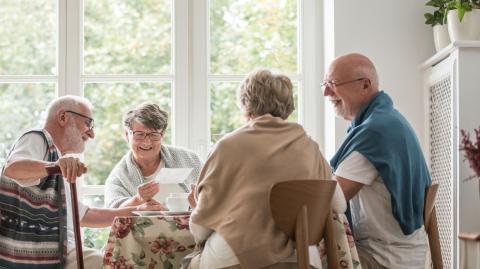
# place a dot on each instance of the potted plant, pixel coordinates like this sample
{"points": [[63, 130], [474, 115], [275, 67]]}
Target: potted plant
{"points": [[438, 20], [464, 20]]}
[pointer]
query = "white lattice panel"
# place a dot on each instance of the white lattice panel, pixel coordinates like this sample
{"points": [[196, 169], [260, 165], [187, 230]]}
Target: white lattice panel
{"points": [[441, 153]]}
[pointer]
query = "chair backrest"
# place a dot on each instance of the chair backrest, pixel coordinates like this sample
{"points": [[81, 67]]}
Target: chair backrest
{"points": [[302, 210], [431, 227]]}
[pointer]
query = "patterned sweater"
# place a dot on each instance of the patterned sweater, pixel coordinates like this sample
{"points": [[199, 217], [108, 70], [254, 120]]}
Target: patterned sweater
{"points": [[33, 219]]}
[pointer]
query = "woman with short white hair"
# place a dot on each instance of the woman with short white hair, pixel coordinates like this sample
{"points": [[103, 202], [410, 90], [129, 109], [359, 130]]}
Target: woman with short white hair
{"points": [[231, 214]]}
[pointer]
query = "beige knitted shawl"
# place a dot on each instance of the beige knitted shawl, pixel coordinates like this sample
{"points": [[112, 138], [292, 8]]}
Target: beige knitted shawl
{"points": [[232, 193]]}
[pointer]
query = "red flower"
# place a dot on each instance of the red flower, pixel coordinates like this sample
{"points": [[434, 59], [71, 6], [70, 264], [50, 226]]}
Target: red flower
{"points": [[122, 226], [348, 232], [121, 264], [152, 264], [343, 264], [181, 222], [107, 258], [472, 150], [166, 246]]}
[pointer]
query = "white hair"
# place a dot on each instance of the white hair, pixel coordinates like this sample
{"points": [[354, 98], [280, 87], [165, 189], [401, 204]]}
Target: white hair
{"points": [[67, 102]]}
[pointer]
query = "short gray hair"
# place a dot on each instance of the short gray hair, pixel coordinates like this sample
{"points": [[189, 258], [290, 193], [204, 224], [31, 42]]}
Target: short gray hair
{"points": [[67, 102], [263, 92], [148, 114]]}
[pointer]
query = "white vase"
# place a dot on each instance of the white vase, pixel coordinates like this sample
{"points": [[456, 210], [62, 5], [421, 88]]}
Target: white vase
{"points": [[440, 36], [468, 29]]}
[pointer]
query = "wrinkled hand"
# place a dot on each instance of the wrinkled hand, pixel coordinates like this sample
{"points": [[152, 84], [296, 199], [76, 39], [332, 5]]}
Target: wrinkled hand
{"points": [[146, 191], [71, 168], [151, 205], [191, 196]]}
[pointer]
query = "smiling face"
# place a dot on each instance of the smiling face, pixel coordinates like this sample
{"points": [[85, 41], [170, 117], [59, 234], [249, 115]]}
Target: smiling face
{"points": [[345, 98], [353, 84], [77, 130], [144, 150]]}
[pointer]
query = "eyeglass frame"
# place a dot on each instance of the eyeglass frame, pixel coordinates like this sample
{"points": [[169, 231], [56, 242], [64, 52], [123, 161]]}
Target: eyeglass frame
{"points": [[333, 84], [91, 122], [132, 132]]}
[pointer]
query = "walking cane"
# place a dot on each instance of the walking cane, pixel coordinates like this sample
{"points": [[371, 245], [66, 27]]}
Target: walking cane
{"points": [[55, 170]]}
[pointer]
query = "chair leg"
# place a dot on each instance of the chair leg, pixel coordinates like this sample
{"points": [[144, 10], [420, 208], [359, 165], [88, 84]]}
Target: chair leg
{"points": [[301, 238], [434, 241], [331, 244]]}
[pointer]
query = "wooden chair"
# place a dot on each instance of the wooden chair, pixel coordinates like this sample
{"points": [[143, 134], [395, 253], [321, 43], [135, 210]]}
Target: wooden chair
{"points": [[431, 227], [301, 209]]}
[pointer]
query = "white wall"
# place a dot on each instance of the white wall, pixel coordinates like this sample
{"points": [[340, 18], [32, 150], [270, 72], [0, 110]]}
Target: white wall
{"points": [[393, 35]]}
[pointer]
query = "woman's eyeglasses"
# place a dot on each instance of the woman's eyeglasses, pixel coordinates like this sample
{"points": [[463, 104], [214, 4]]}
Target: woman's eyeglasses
{"points": [[140, 135]]}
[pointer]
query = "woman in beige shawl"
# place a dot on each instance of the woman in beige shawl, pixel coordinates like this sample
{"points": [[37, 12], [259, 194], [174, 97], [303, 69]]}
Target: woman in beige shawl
{"points": [[232, 214]]}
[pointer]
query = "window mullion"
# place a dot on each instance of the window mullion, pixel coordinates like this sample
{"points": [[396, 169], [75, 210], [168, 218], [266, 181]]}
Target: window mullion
{"points": [[310, 68], [200, 129], [70, 53], [74, 41], [180, 87], [61, 47]]}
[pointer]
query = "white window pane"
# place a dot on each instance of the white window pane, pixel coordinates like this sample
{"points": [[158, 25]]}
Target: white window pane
{"points": [[111, 101], [246, 34], [225, 116], [28, 39], [128, 37], [95, 238], [22, 107]]}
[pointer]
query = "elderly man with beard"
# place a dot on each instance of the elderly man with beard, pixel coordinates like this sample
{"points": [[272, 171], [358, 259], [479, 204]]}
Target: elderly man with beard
{"points": [[380, 167], [36, 227]]}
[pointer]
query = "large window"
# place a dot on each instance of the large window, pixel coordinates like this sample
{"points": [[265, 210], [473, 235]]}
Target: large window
{"points": [[244, 36], [28, 70], [187, 56]]}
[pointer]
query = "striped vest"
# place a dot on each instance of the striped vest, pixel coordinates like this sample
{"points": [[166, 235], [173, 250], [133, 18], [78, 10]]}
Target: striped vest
{"points": [[33, 224]]}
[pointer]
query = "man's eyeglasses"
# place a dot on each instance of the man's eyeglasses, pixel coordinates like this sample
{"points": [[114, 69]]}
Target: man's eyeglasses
{"points": [[333, 84], [140, 135], [89, 122]]}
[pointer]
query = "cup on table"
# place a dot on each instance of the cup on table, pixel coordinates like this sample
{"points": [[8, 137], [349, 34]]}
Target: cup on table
{"points": [[177, 202]]}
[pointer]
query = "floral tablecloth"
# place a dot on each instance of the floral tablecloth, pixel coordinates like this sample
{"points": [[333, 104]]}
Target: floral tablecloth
{"points": [[346, 249], [162, 242], [148, 242]]}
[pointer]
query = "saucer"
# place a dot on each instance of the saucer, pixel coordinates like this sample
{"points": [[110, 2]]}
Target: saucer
{"points": [[160, 213], [175, 213], [148, 213]]}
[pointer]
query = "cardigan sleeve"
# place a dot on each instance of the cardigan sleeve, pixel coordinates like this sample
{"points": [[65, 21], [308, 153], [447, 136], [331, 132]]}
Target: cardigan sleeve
{"points": [[115, 192]]}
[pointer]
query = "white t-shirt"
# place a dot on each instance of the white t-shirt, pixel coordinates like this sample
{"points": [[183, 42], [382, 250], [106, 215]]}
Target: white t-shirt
{"points": [[374, 226], [33, 146]]}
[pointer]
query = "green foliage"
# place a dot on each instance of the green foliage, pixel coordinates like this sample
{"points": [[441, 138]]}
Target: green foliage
{"points": [[439, 16], [462, 6], [247, 34], [128, 37], [28, 37], [22, 108], [95, 238]]}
